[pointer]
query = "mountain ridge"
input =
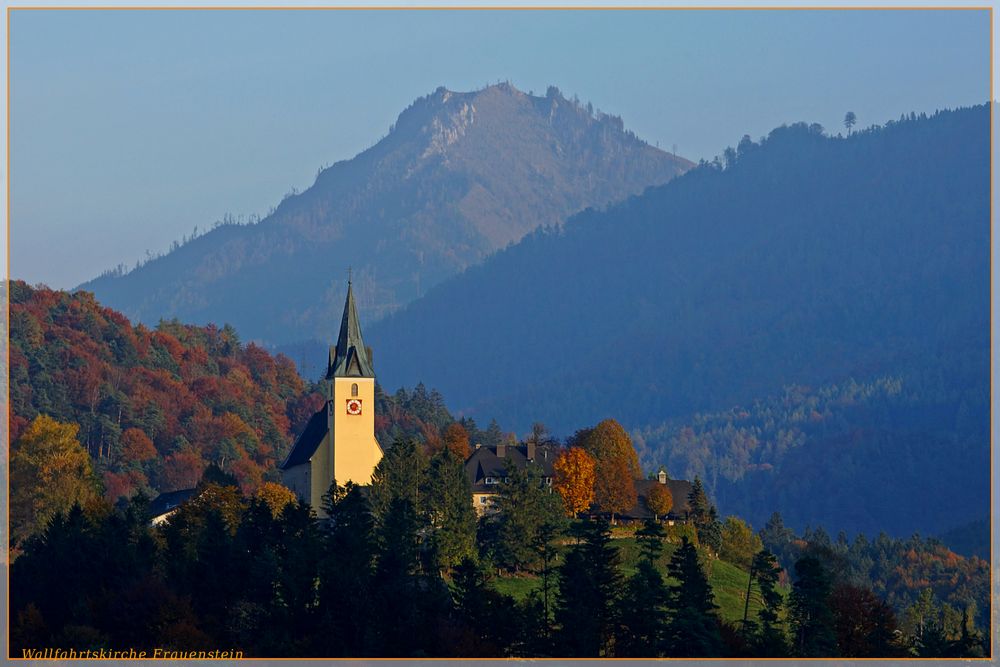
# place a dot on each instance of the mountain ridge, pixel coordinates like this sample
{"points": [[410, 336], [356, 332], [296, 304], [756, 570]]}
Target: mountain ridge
{"points": [[458, 176]]}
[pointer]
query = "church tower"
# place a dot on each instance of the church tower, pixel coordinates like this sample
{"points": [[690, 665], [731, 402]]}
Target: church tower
{"points": [[339, 442]]}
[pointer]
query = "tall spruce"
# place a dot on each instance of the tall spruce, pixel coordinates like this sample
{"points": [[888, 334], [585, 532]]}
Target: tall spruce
{"points": [[768, 640], [489, 619], [451, 519], [643, 615], [811, 617], [346, 573], [589, 586], [693, 631], [401, 473], [524, 505]]}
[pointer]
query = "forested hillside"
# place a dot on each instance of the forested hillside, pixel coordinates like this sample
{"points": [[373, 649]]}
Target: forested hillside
{"points": [[802, 260], [458, 176], [821, 455], [156, 406]]}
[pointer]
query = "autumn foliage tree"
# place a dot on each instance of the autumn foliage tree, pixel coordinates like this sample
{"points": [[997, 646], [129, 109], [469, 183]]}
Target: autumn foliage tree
{"points": [[456, 441], [195, 395], [276, 497], [659, 500], [614, 489], [136, 446], [574, 474], [617, 465], [609, 441], [49, 473]]}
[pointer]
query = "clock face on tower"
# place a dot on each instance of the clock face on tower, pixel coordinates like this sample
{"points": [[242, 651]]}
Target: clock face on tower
{"points": [[354, 406]]}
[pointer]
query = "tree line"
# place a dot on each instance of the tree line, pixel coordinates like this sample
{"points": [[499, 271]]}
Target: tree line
{"points": [[403, 568]]}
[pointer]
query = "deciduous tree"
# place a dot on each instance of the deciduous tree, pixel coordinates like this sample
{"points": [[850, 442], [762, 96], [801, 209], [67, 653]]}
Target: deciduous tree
{"points": [[659, 500], [456, 440], [49, 473], [574, 476], [614, 489]]}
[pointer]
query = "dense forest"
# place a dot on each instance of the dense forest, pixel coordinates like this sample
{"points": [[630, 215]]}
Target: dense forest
{"points": [[403, 569], [105, 414], [831, 445], [154, 407], [789, 266]]}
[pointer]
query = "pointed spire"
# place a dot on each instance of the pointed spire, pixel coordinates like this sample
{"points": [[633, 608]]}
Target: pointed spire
{"points": [[350, 356]]}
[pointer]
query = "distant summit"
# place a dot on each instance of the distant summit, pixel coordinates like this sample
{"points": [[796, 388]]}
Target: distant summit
{"points": [[459, 176]]}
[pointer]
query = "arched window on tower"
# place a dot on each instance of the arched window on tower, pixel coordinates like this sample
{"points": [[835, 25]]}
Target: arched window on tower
{"points": [[354, 390]]}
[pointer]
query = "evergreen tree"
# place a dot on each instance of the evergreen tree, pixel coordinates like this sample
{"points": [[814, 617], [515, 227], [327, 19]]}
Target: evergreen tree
{"points": [[491, 618], [643, 606], [493, 436], [693, 630], [769, 641], [710, 532], [809, 611], [589, 586], [451, 518], [524, 505], [698, 504], [346, 574], [401, 474], [397, 592]]}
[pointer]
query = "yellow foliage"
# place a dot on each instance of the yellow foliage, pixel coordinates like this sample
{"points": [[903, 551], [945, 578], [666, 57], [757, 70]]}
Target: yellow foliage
{"points": [[276, 496], [49, 472]]}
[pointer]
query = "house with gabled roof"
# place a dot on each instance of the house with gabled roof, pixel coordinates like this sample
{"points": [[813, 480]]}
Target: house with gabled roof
{"points": [[489, 466]]}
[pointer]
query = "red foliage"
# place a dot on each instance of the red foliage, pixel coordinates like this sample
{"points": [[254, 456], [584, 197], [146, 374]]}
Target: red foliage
{"points": [[181, 470]]}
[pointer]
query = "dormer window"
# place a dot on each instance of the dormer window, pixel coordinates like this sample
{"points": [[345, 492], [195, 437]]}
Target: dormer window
{"points": [[491, 480]]}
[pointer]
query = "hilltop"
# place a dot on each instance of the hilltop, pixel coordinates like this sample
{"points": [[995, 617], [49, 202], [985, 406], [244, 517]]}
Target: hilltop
{"points": [[458, 176]]}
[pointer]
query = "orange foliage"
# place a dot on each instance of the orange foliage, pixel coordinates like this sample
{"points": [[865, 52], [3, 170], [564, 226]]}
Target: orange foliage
{"points": [[456, 440], [614, 489], [574, 477], [659, 500], [136, 446]]}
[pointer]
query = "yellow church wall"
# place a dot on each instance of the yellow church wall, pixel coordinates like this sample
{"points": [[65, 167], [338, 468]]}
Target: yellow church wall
{"points": [[355, 451]]}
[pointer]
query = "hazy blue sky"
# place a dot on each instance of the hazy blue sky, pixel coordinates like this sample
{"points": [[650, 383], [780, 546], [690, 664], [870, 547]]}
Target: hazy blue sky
{"points": [[131, 128]]}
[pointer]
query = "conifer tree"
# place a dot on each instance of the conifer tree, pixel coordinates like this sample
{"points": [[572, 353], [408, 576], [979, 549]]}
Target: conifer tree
{"points": [[769, 641], [643, 606], [698, 503], [346, 573], [451, 518], [524, 505], [809, 610], [489, 616], [589, 586], [693, 630], [400, 474]]}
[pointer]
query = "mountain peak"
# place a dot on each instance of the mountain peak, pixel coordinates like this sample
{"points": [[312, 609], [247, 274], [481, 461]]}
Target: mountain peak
{"points": [[459, 176]]}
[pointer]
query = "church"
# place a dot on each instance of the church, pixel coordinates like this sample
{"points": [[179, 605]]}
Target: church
{"points": [[339, 441]]}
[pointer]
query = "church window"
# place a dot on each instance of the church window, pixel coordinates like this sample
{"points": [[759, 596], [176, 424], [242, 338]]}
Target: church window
{"points": [[354, 389]]}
